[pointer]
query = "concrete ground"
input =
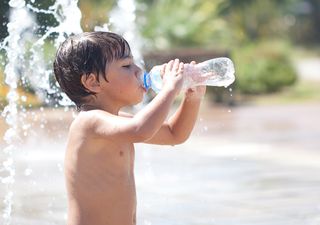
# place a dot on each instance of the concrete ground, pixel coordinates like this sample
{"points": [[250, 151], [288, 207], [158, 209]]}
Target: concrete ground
{"points": [[247, 165]]}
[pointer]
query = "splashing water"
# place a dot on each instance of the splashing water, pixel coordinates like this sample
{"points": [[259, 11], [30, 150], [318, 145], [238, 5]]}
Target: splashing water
{"points": [[14, 47], [122, 21], [68, 15], [19, 66], [25, 62]]}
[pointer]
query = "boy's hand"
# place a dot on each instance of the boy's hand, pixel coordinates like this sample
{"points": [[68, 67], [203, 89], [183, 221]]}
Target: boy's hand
{"points": [[196, 92], [172, 75]]}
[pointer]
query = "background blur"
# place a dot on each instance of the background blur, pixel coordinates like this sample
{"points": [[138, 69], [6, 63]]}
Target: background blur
{"points": [[254, 155], [269, 41]]}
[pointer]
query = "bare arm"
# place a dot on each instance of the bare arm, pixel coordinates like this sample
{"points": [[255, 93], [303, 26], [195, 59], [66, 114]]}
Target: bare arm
{"points": [[146, 122], [179, 127]]}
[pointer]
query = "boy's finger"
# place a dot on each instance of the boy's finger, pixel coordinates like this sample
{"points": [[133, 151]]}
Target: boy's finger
{"points": [[181, 65], [176, 65], [169, 66], [193, 62], [163, 69]]}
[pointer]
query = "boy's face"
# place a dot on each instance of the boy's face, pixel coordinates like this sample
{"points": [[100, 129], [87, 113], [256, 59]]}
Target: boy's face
{"points": [[124, 86]]}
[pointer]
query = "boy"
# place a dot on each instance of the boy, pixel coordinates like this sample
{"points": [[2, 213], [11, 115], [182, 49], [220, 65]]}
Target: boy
{"points": [[97, 72]]}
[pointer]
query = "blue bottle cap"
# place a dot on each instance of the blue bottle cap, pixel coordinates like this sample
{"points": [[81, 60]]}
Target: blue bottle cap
{"points": [[146, 80]]}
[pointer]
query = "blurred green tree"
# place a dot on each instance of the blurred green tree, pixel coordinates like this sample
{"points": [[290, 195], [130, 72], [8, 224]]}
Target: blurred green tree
{"points": [[263, 67], [95, 12], [255, 20], [297, 20], [181, 23]]}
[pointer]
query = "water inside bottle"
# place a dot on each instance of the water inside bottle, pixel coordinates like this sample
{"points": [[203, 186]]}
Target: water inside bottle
{"points": [[219, 72]]}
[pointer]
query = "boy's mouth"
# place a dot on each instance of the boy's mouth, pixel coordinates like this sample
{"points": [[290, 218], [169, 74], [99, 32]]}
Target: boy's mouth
{"points": [[143, 88]]}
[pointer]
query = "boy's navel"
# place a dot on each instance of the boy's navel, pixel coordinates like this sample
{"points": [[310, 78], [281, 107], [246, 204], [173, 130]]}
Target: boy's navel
{"points": [[121, 153]]}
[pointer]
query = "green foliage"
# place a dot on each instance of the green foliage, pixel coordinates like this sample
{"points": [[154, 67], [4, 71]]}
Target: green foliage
{"points": [[253, 20], [219, 24], [94, 12], [263, 68], [182, 23]]}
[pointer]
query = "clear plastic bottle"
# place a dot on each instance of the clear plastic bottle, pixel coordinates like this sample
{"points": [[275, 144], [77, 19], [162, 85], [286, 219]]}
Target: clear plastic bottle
{"points": [[214, 72]]}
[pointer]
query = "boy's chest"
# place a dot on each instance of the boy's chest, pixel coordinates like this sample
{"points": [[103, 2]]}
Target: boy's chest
{"points": [[120, 156]]}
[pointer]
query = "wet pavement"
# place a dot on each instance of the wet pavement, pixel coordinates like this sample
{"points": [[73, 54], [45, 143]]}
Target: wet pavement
{"points": [[248, 165]]}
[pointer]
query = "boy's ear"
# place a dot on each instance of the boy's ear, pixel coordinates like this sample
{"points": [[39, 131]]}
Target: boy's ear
{"points": [[90, 82]]}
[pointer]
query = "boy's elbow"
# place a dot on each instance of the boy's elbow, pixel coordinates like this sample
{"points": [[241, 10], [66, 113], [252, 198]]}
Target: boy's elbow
{"points": [[178, 140]]}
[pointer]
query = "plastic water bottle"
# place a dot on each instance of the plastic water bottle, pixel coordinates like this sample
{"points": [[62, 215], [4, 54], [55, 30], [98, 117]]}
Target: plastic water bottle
{"points": [[214, 72]]}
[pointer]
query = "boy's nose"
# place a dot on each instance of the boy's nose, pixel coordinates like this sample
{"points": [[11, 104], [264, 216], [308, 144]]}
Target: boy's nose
{"points": [[139, 75], [138, 72]]}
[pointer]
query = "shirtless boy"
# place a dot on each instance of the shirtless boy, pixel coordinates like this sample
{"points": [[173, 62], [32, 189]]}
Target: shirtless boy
{"points": [[97, 72]]}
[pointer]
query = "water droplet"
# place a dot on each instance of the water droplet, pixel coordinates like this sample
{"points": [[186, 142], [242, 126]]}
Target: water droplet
{"points": [[8, 163], [23, 98], [27, 172], [25, 126], [229, 111], [146, 222], [60, 167]]}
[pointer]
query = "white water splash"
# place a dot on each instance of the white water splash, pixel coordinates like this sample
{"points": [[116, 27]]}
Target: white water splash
{"points": [[122, 21], [19, 29], [68, 15], [28, 64]]}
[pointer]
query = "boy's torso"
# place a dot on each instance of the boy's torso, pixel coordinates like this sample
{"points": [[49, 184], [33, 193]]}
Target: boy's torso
{"points": [[100, 180]]}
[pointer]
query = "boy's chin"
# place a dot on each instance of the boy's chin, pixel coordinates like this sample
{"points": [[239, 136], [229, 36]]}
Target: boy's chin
{"points": [[138, 101], [135, 101]]}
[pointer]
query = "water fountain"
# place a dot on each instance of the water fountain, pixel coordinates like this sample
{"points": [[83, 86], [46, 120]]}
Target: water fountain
{"points": [[27, 64], [14, 47], [202, 182], [37, 72]]}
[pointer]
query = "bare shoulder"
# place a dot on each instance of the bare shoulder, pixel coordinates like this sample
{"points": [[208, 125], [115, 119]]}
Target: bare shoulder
{"points": [[102, 124], [122, 128], [88, 121], [83, 132]]}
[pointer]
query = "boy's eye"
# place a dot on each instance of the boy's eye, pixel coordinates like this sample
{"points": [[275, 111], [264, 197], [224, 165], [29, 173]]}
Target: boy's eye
{"points": [[127, 66]]}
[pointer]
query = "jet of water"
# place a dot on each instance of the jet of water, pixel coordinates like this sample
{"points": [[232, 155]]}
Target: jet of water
{"points": [[14, 47], [18, 66]]}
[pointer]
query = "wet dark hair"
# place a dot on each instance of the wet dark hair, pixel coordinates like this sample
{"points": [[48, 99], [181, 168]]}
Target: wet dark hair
{"points": [[83, 54]]}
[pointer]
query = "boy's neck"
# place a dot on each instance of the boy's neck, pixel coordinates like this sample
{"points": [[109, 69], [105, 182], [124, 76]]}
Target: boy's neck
{"points": [[112, 110]]}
